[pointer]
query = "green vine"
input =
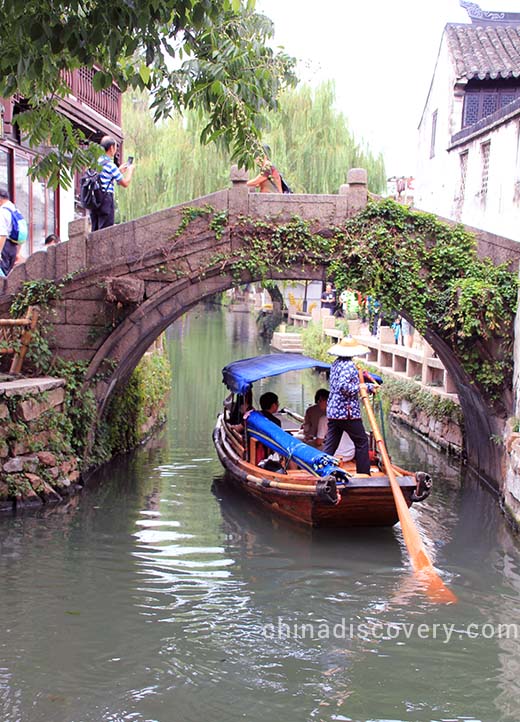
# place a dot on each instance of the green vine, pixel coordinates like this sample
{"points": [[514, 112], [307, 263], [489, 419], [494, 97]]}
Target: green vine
{"points": [[411, 262], [127, 421], [434, 405], [189, 213], [40, 292]]}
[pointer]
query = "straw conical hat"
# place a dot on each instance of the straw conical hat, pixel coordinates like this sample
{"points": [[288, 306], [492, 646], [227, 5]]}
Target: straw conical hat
{"points": [[348, 347]]}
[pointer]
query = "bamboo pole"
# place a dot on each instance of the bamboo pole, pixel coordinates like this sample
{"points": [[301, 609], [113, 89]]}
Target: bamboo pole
{"points": [[282, 484], [421, 562]]}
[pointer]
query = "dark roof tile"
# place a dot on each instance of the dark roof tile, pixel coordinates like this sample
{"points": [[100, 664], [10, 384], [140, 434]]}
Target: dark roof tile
{"points": [[479, 51]]}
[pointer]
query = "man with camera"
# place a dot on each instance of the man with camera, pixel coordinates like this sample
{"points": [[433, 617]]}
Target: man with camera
{"points": [[103, 215]]}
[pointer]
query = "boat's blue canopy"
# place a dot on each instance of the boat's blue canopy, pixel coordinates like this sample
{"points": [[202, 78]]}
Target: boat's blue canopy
{"points": [[307, 457], [239, 375]]}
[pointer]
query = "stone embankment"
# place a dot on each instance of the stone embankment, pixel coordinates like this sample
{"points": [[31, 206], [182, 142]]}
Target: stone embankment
{"points": [[37, 465], [445, 434], [511, 497]]}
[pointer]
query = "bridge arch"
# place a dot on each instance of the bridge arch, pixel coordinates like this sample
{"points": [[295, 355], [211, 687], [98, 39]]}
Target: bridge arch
{"points": [[131, 281]]}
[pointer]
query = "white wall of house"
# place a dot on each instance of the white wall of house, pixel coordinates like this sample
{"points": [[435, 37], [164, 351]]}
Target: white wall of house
{"points": [[66, 212], [494, 205], [434, 184]]}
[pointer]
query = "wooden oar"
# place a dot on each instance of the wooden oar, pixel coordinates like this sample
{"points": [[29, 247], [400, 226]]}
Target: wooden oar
{"points": [[421, 562]]}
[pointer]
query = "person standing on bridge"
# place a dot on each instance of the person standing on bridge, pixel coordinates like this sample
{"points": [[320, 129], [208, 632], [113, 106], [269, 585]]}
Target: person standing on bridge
{"points": [[269, 179], [103, 216]]}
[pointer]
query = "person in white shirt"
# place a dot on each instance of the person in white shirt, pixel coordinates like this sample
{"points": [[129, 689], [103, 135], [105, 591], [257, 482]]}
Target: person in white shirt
{"points": [[10, 251], [346, 448]]}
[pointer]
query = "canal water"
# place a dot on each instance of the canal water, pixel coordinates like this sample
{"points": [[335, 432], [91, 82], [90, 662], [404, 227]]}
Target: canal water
{"points": [[160, 595]]}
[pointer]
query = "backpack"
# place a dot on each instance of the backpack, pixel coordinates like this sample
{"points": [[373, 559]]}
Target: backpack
{"points": [[19, 230], [285, 187], [89, 188]]}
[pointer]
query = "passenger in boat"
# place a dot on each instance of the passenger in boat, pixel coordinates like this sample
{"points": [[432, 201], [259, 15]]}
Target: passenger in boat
{"points": [[346, 448], [269, 405], [343, 407], [313, 415], [243, 404]]}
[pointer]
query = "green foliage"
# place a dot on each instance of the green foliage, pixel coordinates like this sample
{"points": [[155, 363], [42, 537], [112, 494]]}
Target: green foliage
{"points": [[131, 408], [412, 263], [313, 145], [434, 405], [80, 403], [310, 141], [40, 292], [208, 55], [217, 221], [315, 343]]}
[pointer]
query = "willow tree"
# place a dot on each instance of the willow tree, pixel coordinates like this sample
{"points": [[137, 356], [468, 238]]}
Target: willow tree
{"points": [[314, 145], [310, 140], [212, 55]]}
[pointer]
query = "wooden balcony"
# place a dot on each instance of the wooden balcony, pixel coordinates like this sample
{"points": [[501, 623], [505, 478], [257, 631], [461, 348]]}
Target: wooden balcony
{"points": [[106, 102]]}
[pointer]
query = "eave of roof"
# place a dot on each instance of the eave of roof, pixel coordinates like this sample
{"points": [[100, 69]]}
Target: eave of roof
{"points": [[484, 51]]}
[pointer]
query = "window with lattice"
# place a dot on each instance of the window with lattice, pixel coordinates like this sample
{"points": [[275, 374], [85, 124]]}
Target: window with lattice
{"points": [[483, 98], [484, 152]]}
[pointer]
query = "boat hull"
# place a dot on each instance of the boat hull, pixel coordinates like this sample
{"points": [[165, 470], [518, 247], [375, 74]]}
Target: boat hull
{"points": [[366, 501]]}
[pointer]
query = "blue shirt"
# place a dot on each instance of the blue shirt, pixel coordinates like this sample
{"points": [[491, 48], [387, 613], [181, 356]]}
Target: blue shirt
{"points": [[110, 174], [343, 402]]}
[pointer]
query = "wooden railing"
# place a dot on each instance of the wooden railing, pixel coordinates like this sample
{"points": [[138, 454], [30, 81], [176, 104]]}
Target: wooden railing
{"points": [[15, 337], [106, 102]]}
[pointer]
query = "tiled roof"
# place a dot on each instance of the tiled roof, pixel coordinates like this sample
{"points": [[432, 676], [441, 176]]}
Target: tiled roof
{"points": [[491, 51]]}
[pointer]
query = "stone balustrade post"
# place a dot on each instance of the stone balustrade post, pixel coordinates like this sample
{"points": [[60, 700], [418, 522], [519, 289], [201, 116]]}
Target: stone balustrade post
{"points": [[238, 195], [239, 192], [356, 190], [79, 230]]}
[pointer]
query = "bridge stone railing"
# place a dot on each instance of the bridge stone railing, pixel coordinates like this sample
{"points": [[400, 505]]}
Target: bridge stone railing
{"points": [[129, 241]]}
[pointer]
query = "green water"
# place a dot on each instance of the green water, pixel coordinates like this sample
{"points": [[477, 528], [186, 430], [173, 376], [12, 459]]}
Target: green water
{"points": [[160, 595]]}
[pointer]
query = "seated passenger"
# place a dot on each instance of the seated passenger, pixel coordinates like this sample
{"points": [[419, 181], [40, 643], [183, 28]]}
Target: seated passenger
{"points": [[243, 404], [313, 415], [269, 405], [346, 448]]}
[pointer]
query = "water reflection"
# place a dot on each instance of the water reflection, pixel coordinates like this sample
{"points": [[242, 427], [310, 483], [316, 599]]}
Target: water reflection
{"points": [[163, 594]]}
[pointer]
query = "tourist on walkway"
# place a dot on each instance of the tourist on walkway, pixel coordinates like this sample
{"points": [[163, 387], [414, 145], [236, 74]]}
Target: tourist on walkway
{"points": [[328, 298], [374, 314], [10, 250], [103, 216], [397, 329], [269, 179], [343, 407], [407, 331]]}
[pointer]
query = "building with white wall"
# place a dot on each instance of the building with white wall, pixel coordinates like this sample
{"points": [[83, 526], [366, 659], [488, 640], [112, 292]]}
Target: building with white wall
{"points": [[469, 133], [47, 210]]}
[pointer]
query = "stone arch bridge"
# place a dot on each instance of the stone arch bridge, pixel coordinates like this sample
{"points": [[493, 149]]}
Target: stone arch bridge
{"points": [[131, 281]]}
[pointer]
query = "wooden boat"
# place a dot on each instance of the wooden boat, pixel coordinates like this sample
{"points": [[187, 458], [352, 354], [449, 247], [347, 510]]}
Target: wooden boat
{"points": [[322, 490]]}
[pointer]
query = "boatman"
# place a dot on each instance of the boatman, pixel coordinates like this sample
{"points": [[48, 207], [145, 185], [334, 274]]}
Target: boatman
{"points": [[343, 407]]}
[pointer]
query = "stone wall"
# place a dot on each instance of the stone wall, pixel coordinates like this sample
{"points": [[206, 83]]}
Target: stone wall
{"points": [[511, 499], [37, 465], [445, 433]]}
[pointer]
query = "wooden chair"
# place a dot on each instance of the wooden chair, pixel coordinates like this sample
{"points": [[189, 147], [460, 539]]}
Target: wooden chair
{"points": [[15, 337]]}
